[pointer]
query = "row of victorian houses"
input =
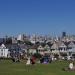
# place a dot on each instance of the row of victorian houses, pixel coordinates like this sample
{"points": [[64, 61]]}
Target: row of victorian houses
{"points": [[60, 48]]}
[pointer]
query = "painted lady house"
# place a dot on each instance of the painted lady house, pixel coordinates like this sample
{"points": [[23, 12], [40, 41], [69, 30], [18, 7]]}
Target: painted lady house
{"points": [[4, 51]]}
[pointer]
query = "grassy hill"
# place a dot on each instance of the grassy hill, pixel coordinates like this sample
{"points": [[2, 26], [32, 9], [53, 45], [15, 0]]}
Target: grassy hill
{"points": [[55, 68]]}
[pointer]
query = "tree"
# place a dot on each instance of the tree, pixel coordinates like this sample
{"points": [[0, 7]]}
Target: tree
{"points": [[28, 43]]}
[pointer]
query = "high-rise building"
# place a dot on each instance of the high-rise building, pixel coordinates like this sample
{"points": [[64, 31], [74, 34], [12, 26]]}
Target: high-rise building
{"points": [[63, 34]]}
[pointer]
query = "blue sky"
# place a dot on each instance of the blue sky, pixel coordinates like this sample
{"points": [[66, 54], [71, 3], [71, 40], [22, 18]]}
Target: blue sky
{"points": [[37, 16]]}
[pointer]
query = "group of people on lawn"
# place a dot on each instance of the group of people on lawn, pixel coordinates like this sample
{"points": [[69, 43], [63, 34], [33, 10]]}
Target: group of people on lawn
{"points": [[44, 59]]}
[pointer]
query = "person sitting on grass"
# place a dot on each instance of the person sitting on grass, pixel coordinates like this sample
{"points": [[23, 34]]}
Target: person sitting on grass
{"points": [[71, 66]]}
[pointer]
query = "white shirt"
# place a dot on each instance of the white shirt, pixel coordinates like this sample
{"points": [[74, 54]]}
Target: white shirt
{"points": [[28, 61], [71, 65]]}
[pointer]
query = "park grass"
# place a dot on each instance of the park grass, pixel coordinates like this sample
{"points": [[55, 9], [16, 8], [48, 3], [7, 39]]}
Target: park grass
{"points": [[7, 67]]}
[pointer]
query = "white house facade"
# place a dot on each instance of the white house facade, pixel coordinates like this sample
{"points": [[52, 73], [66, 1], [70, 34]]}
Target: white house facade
{"points": [[4, 51]]}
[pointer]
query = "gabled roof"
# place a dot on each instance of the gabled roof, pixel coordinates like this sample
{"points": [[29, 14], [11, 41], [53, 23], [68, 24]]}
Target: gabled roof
{"points": [[2, 46], [54, 46], [62, 45], [71, 44], [40, 47], [46, 46]]}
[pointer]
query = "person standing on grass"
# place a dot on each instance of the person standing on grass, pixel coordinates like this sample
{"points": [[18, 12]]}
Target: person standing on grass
{"points": [[28, 62], [33, 60]]}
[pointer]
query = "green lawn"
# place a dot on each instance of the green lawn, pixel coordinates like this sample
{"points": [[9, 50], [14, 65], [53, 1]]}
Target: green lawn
{"points": [[55, 68]]}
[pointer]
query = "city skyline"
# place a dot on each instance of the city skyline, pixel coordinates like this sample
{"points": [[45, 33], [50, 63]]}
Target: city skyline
{"points": [[37, 17]]}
